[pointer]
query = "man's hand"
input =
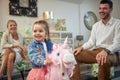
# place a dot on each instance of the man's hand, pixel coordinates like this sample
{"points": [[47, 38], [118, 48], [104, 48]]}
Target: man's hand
{"points": [[77, 50], [101, 57]]}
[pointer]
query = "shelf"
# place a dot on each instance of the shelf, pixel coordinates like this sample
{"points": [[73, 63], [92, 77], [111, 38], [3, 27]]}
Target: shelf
{"points": [[60, 36]]}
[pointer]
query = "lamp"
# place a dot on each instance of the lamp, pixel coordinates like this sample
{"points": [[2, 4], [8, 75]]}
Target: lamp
{"points": [[48, 15], [79, 38]]}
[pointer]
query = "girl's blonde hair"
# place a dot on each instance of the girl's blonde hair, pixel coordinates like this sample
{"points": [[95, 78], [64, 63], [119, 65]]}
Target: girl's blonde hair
{"points": [[46, 26]]}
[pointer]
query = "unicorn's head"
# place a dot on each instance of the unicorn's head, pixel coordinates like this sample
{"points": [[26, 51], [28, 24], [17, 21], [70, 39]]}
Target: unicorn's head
{"points": [[62, 52], [63, 61]]}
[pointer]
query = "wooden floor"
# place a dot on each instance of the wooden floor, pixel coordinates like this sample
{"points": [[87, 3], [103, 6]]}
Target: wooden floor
{"points": [[16, 76], [88, 76], [85, 75]]}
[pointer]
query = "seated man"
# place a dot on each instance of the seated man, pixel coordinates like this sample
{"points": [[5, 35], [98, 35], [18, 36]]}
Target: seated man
{"points": [[105, 35]]}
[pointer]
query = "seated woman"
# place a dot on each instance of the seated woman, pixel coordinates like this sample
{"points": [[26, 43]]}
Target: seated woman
{"points": [[12, 48]]}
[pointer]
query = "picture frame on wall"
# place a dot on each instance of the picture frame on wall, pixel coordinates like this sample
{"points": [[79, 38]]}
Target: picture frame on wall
{"points": [[24, 3], [55, 35], [23, 8], [56, 40]]}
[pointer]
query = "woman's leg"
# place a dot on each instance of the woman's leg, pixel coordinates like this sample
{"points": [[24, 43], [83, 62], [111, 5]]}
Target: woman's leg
{"points": [[4, 61], [10, 64]]}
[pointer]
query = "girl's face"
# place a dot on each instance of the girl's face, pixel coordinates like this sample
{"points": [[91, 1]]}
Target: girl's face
{"points": [[39, 32], [12, 27]]}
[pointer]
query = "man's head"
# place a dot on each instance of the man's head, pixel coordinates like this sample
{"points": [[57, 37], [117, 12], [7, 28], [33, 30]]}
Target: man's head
{"points": [[109, 2], [105, 8]]}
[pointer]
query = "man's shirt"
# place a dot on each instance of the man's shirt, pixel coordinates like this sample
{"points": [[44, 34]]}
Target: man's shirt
{"points": [[105, 36]]}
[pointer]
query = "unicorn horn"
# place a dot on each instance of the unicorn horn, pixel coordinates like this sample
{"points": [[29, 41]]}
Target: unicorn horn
{"points": [[65, 42]]}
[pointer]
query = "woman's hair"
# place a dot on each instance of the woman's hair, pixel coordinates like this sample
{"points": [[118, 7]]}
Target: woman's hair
{"points": [[11, 21], [109, 2], [46, 26]]}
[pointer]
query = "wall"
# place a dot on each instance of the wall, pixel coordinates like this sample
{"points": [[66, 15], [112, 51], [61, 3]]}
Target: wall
{"points": [[61, 10], [87, 5], [93, 5], [73, 13]]}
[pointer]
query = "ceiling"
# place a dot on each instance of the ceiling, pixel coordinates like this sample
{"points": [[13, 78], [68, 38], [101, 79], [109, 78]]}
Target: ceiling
{"points": [[73, 1]]}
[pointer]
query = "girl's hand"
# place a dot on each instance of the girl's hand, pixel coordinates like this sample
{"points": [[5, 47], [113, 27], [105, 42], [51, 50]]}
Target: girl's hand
{"points": [[47, 62]]}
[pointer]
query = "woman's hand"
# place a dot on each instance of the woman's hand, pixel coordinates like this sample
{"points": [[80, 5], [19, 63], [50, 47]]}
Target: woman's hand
{"points": [[23, 49], [77, 50], [22, 52]]}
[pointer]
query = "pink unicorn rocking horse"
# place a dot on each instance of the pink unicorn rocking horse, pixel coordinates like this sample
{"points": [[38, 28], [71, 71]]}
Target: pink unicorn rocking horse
{"points": [[63, 62]]}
